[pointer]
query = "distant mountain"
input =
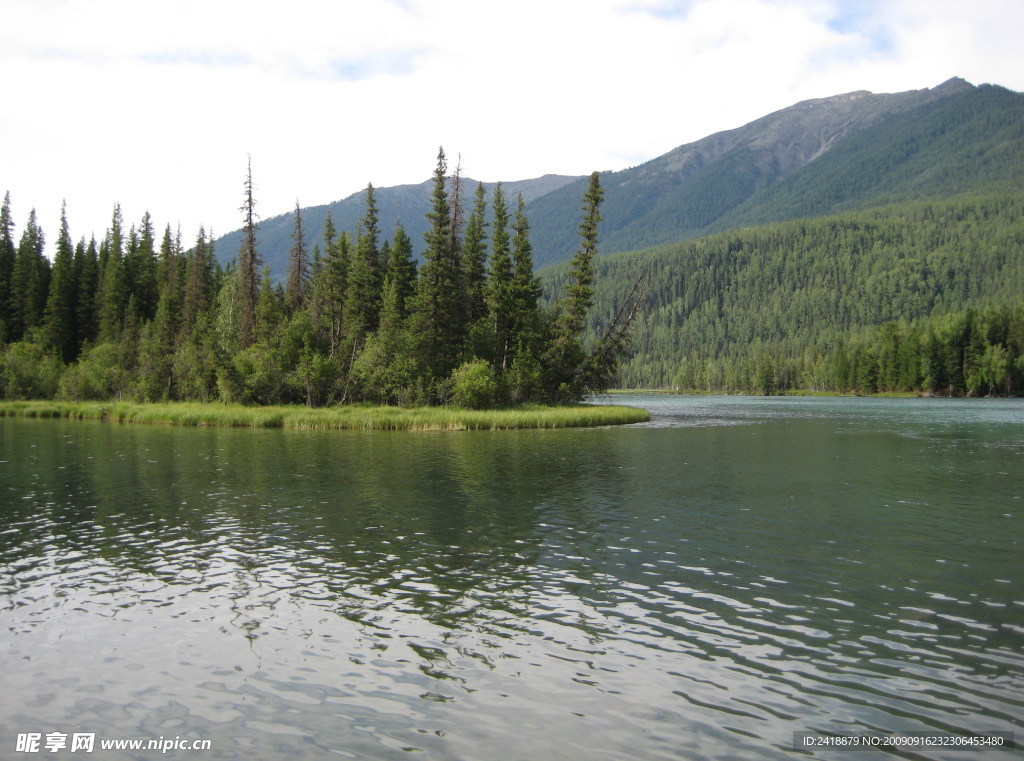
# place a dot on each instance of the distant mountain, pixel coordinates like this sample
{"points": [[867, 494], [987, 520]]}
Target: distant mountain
{"points": [[408, 203], [817, 157]]}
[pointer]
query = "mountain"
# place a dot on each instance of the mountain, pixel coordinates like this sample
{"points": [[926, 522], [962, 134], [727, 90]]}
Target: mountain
{"points": [[408, 203], [817, 157]]}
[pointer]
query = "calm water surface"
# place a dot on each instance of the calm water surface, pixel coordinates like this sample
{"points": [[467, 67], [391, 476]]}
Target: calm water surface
{"points": [[701, 586]]}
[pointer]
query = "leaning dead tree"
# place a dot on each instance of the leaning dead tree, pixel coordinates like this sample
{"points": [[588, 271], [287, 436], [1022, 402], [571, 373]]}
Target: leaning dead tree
{"points": [[600, 368]]}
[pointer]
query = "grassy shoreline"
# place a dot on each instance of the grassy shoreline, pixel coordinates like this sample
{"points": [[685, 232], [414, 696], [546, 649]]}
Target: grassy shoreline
{"points": [[351, 417]]}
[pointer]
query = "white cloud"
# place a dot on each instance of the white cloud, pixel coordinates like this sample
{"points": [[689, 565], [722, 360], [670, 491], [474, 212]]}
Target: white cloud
{"points": [[157, 105]]}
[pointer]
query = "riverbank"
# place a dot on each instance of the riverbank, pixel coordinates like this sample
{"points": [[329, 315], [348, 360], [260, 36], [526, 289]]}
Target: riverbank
{"points": [[787, 392], [349, 417]]}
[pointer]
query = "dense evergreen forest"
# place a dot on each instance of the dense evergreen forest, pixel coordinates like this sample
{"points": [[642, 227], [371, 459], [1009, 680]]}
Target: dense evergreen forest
{"points": [[925, 296], [356, 319], [921, 296]]}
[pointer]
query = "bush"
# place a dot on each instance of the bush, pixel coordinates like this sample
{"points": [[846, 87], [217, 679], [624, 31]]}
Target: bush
{"points": [[27, 371], [474, 385], [98, 376]]}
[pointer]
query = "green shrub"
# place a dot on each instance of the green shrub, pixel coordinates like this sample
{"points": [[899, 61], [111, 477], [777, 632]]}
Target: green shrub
{"points": [[474, 385], [27, 371], [98, 376]]}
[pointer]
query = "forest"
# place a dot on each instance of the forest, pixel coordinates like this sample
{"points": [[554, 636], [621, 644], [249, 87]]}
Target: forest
{"points": [[916, 296], [355, 321], [924, 296]]}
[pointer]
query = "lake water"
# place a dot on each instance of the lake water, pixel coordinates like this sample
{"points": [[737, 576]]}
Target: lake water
{"points": [[701, 586]]}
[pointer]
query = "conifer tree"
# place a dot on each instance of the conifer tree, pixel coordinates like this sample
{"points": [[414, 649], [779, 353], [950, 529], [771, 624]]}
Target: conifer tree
{"points": [[439, 315], [401, 271], [565, 355], [30, 281], [455, 209], [171, 287], [140, 268], [500, 289], [199, 288], [269, 308], [113, 293], [474, 258], [329, 287], [297, 287], [7, 257], [525, 284], [248, 268], [365, 278], [60, 304], [170, 264], [87, 275]]}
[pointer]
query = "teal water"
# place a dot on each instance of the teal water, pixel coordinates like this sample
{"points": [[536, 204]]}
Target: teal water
{"points": [[702, 586]]}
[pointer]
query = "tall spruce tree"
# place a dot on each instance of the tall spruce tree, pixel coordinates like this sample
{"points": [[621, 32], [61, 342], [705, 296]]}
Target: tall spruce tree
{"points": [[247, 271], [439, 315], [329, 286], [401, 271], [140, 268], [474, 258], [565, 355], [455, 209], [30, 281], [297, 287], [87, 275], [526, 287], [59, 320], [198, 295], [7, 257], [113, 294], [500, 289], [365, 278]]}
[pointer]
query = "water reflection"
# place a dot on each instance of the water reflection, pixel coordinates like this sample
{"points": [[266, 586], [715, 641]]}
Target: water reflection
{"points": [[691, 591]]}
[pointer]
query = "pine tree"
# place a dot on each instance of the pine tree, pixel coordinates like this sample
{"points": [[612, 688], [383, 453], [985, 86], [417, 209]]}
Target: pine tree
{"points": [[87, 275], [526, 288], [60, 304], [297, 287], [455, 210], [248, 267], [7, 257], [113, 293], [140, 268], [269, 308], [474, 258], [500, 289], [170, 264], [565, 356], [328, 306], [30, 281], [365, 278], [401, 271], [199, 287], [439, 316]]}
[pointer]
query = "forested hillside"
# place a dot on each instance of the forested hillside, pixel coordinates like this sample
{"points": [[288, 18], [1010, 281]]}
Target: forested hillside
{"points": [[804, 304], [820, 156], [814, 158]]}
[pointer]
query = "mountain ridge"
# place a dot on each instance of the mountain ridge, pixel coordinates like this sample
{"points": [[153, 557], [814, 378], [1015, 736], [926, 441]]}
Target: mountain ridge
{"points": [[727, 179]]}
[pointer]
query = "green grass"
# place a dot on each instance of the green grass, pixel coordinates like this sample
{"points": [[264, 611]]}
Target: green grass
{"points": [[352, 417]]}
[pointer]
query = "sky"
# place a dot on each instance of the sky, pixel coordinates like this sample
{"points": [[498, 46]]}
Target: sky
{"points": [[159, 106]]}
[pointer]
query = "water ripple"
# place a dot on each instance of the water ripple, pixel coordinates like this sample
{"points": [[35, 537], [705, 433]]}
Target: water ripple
{"points": [[565, 600]]}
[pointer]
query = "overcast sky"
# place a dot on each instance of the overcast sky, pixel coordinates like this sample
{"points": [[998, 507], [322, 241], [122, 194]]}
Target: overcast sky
{"points": [[157, 105]]}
